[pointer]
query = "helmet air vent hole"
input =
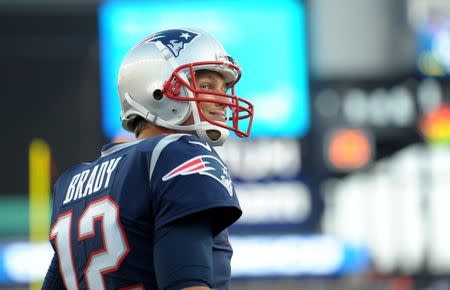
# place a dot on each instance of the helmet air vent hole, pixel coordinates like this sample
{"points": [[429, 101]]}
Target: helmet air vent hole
{"points": [[158, 95]]}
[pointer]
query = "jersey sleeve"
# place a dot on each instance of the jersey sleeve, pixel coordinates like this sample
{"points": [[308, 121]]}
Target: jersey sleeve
{"points": [[189, 177], [192, 262]]}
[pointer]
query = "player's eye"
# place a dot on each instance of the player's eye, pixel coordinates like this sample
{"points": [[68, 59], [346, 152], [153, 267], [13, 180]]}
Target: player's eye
{"points": [[205, 86]]}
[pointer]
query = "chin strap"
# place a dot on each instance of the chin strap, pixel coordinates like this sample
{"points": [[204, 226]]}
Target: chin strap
{"points": [[206, 128]]}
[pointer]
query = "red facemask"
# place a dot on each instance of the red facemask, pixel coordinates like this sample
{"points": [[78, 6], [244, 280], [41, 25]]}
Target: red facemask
{"points": [[241, 109]]}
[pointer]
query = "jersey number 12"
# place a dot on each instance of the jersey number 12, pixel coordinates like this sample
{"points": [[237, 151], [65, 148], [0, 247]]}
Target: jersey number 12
{"points": [[99, 262]]}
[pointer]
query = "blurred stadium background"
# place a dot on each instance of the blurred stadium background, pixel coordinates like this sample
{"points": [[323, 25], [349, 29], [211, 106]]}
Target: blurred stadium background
{"points": [[346, 181]]}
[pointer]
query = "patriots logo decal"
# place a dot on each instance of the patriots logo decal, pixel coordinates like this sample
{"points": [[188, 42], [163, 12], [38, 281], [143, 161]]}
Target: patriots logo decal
{"points": [[174, 39], [205, 165]]}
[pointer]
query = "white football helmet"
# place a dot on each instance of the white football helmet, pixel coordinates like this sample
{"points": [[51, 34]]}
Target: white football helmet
{"points": [[157, 82]]}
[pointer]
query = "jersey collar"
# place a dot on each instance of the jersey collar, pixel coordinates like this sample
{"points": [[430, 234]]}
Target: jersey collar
{"points": [[114, 147]]}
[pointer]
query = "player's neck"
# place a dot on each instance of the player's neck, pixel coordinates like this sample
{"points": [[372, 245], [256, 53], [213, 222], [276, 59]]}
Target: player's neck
{"points": [[152, 131]]}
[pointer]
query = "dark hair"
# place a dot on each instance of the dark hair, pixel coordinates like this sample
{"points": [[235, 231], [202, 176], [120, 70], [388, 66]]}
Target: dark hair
{"points": [[138, 124]]}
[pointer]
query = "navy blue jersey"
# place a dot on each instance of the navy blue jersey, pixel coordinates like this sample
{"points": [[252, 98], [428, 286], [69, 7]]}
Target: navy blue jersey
{"points": [[105, 213]]}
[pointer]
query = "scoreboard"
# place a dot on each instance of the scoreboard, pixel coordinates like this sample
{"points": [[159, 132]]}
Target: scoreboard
{"points": [[395, 202]]}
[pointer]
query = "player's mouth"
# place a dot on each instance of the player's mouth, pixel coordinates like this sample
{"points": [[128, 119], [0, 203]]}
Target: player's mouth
{"points": [[219, 116]]}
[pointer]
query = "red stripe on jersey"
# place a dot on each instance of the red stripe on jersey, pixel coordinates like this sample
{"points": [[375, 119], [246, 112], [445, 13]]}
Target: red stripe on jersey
{"points": [[201, 166], [189, 166]]}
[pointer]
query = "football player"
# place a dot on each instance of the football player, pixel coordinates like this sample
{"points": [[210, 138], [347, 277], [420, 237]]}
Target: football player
{"points": [[153, 213]]}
